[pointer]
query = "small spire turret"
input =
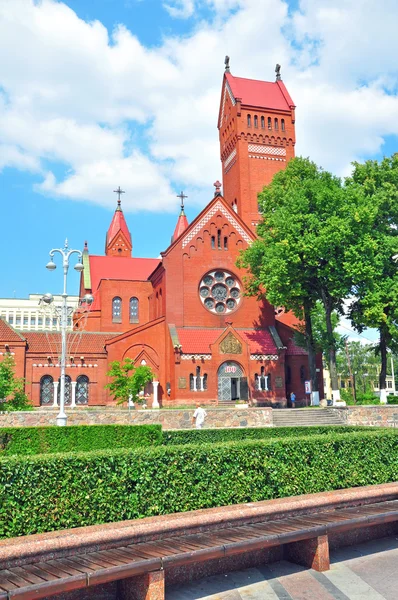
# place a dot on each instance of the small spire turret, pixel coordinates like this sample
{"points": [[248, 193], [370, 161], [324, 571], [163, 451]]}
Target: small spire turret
{"points": [[182, 222]]}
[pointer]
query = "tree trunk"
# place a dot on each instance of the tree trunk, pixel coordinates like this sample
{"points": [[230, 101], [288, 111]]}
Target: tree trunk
{"points": [[309, 336], [383, 360], [331, 347]]}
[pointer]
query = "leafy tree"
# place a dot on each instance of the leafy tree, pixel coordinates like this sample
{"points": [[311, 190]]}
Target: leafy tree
{"points": [[375, 276], [299, 256], [12, 394], [128, 380], [364, 365], [320, 332]]}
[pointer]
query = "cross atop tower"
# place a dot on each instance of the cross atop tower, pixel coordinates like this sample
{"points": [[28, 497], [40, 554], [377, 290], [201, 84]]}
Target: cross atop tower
{"points": [[119, 192], [182, 197]]}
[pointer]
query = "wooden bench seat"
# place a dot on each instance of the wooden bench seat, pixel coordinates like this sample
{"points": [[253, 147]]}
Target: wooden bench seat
{"points": [[302, 536]]}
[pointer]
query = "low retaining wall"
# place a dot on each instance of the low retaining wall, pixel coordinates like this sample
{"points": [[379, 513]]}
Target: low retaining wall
{"points": [[169, 418], [376, 416], [381, 416]]}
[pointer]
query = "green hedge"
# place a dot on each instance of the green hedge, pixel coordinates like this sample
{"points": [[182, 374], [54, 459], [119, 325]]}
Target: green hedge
{"points": [[49, 492], [76, 438], [202, 436]]}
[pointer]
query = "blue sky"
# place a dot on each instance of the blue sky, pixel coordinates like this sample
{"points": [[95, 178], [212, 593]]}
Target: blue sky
{"points": [[96, 94]]}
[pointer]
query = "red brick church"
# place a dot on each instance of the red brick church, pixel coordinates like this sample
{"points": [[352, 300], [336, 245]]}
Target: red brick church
{"points": [[185, 314]]}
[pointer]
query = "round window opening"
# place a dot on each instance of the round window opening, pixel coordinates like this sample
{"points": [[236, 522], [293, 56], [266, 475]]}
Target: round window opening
{"points": [[220, 292]]}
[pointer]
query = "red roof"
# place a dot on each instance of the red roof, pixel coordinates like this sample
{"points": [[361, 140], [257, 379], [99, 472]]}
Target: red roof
{"points": [[260, 341], [124, 268], [181, 226], [198, 341], [8, 334], [118, 224], [50, 342], [293, 349], [264, 94]]}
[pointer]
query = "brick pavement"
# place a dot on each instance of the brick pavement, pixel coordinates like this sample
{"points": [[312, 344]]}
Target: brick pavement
{"points": [[366, 571]]}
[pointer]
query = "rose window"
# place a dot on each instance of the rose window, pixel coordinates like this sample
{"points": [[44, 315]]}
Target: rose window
{"points": [[220, 292]]}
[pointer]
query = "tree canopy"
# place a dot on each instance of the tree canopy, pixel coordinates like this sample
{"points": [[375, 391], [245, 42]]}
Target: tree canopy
{"points": [[12, 394], [128, 380], [375, 185], [308, 221]]}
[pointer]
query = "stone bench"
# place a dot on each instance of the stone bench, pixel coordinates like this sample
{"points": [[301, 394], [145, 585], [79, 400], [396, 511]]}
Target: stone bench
{"points": [[138, 554]]}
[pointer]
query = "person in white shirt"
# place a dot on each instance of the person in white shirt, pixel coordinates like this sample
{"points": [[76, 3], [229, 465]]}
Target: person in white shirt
{"points": [[199, 416]]}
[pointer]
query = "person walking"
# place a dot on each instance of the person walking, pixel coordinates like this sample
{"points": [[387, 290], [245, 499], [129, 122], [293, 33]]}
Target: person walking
{"points": [[199, 416], [293, 399]]}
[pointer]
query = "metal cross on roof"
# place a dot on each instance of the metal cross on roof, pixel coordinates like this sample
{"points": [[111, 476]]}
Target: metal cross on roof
{"points": [[182, 197], [119, 192]]}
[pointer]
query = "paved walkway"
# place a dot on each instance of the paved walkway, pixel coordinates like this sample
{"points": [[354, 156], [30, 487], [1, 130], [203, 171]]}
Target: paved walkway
{"points": [[364, 572]]}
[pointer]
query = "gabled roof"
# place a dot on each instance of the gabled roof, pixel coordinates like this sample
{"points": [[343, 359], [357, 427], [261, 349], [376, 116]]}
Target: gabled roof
{"points": [[8, 333], [196, 340], [264, 94], [50, 342], [121, 268], [118, 224], [217, 204]]}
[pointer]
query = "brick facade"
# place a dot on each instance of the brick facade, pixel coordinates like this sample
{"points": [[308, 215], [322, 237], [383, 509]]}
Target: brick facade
{"points": [[185, 314]]}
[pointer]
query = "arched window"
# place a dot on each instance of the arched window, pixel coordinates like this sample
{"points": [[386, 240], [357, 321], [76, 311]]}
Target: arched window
{"points": [[117, 310], [302, 374], [276, 126], [82, 389], [269, 123], [197, 382], [225, 243], [255, 121], [262, 381], [262, 123], [213, 241], [283, 124], [134, 310], [192, 383], [249, 121], [68, 390], [46, 390], [219, 239]]}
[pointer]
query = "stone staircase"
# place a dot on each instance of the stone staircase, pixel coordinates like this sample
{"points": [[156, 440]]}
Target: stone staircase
{"points": [[302, 417]]}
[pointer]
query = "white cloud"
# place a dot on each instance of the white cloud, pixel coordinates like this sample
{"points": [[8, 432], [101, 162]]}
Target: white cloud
{"points": [[75, 95], [180, 9]]}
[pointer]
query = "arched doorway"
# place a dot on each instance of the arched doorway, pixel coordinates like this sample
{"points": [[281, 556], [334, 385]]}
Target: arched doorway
{"points": [[232, 385]]}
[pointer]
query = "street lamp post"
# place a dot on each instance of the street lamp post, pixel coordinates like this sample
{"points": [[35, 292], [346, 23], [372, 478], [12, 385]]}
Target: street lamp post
{"points": [[66, 253]]}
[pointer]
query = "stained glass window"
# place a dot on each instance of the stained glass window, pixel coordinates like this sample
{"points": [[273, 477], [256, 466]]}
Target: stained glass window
{"points": [[220, 292], [117, 310], [68, 390], [46, 390], [82, 389], [134, 316]]}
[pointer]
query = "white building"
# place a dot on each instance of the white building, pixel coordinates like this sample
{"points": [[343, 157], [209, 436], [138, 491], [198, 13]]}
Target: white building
{"points": [[29, 315]]}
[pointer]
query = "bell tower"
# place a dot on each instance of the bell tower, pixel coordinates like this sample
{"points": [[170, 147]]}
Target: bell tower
{"points": [[257, 138]]}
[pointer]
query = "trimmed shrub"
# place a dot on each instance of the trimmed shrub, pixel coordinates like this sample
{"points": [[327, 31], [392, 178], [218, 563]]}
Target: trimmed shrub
{"points": [[50, 492], [204, 436], [76, 438]]}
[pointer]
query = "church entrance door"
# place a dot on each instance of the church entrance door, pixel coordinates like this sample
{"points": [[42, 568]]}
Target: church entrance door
{"points": [[232, 385]]}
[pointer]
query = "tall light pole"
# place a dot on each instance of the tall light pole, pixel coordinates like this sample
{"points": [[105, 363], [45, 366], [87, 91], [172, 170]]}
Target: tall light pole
{"points": [[66, 253]]}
